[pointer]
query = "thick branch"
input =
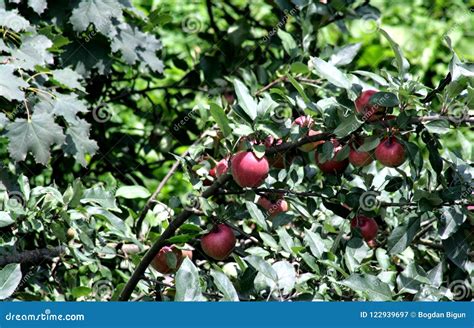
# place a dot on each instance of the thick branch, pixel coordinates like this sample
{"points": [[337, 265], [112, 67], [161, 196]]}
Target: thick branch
{"points": [[33, 257]]}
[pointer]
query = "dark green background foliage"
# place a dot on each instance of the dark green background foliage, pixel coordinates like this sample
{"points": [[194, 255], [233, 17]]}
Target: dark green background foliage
{"points": [[99, 99]]}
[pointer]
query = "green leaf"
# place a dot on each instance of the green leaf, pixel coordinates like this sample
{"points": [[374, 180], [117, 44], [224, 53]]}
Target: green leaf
{"points": [[369, 285], [13, 21], [457, 248], [5, 219], [10, 84], [356, 252], [345, 55], [80, 291], [299, 68], [114, 220], [97, 12], [224, 284], [32, 52], [188, 287], [402, 63], [289, 44], [330, 73], [262, 266], [38, 6], [394, 184], [370, 143], [411, 279], [69, 78], [246, 101], [347, 126], [315, 243], [256, 214], [78, 143], [36, 136], [299, 88], [10, 278], [384, 99], [402, 236], [68, 106], [438, 126], [435, 275], [221, 119], [98, 195], [451, 219], [132, 192], [135, 45]]}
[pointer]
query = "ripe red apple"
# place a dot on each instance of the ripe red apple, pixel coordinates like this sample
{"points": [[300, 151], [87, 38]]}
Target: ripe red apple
{"points": [[219, 242], [370, 113], [359, 158], [221, 167], [367, 226], [307, 122], [248, 170], [169, 258], [273, 208], [332, 166], [390, 152]]}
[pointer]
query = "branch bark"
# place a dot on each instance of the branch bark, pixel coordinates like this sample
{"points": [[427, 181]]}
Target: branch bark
{"points": [[34, 256]]}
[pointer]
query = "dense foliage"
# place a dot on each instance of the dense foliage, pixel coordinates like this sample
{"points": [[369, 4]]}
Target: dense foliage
{"points": [[114, 116]]}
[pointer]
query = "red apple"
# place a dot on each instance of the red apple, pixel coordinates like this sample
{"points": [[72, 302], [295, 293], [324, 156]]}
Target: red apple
{"points": [[307, 122], [367, 226], [221, 167], [359, 158], [370, 113], [248, 170], [219, 242], [273, 208], [169, 258], [390, 152], [332, 166]]}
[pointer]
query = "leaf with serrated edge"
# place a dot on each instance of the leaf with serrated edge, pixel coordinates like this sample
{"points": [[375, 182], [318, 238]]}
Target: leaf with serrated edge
{"points": [[10, 84], [36, 136]]}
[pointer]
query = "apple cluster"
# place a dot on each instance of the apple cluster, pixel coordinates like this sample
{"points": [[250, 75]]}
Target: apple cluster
{"points": [[249, 170]]}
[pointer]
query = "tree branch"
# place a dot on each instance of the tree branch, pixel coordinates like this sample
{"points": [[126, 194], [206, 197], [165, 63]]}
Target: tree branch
{"points": [[33, 256], [162, 241]]}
